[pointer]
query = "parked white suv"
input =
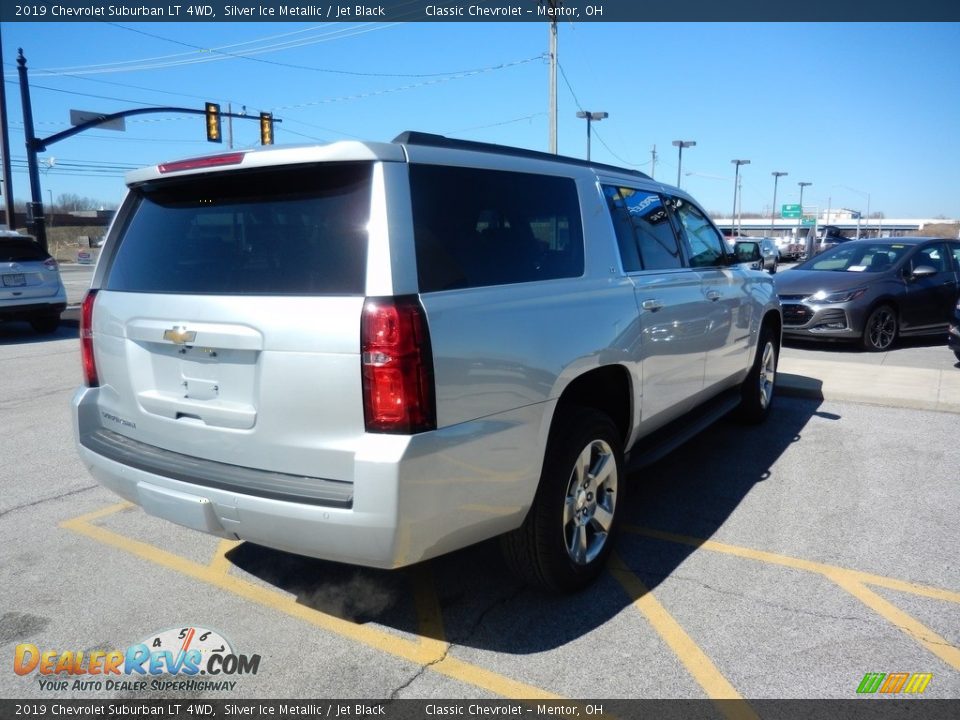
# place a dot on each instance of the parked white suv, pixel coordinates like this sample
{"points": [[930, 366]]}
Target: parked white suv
{"points": [[376, 353]]}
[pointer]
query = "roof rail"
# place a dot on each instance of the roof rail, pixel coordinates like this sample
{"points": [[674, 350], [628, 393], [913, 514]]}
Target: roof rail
{"points": [[412, 137]]}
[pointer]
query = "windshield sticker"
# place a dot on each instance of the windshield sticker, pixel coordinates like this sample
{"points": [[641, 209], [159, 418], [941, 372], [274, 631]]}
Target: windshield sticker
{"points": [[857, 268]]}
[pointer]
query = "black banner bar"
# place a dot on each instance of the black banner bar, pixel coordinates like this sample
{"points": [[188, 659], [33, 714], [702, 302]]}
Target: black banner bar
{"points": [[478, 10]]}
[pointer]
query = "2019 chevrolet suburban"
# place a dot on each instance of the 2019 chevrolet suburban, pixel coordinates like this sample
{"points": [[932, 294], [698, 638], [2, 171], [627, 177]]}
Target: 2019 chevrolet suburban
{"points": [[376, 353]]}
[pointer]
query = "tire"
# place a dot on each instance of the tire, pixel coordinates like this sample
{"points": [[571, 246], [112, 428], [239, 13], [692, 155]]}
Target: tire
{"points": [[773, 270], [569, 532], [881, 328], [756, 393], [957, 353], [45, 324]]}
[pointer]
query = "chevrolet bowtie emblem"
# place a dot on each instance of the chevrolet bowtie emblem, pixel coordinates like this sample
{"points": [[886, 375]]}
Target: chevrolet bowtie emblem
{"points": [[179, 335]]}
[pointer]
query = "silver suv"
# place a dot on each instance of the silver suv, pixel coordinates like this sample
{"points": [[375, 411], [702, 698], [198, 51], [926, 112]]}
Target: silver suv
{"points": [[30, 284], [376, 353]]}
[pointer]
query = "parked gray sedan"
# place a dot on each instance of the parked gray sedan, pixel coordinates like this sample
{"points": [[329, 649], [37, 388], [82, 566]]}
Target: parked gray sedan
{"points": [[872, 291]]}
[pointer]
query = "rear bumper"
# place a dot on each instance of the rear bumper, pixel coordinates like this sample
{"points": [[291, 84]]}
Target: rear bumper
{"points": [[31, 308], [411, 497]]}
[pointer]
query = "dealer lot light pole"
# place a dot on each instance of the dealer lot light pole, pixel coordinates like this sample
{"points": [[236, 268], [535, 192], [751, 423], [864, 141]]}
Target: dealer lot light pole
{"points": [[680, 145], [736, 180], [590, 117], [777, 174]]}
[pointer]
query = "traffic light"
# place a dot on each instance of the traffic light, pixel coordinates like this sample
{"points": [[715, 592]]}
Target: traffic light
{"points": [[266, 128], [213, 122]]}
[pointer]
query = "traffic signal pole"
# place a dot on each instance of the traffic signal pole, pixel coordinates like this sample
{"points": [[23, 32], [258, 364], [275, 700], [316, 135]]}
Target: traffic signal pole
{"points": [[35, 218], [36, 222]]}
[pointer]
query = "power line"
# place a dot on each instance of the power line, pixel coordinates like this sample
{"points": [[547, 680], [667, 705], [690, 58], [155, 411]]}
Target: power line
{"points": [[411, 86], [603, 142]]}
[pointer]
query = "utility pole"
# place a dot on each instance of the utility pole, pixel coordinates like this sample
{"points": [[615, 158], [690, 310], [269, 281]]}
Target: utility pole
{"points": [[5, 149], [653, 161], [552, 6]]}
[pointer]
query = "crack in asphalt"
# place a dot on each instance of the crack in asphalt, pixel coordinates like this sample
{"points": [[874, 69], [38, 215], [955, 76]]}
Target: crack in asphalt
{"points": [[758, 600], [518, 590], [420, 671], [47, 499]]}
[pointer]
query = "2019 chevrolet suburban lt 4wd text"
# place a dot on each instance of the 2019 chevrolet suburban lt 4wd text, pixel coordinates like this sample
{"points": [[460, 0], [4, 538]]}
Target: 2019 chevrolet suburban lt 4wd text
{"points": [[376, 353]]}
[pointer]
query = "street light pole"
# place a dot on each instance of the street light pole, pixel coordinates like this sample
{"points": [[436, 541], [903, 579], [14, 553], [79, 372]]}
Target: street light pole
{"points": [[777, 174], [590, 117], [736, 179], [680, 145], [800, 222]]}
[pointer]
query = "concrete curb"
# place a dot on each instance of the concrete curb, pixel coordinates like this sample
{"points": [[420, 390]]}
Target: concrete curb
{"points": [[889, 386]]}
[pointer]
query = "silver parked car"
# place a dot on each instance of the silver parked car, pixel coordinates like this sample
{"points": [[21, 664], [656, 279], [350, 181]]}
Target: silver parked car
{"points": [[376, 353], [769, 252], [872, 291], [30, 284]]}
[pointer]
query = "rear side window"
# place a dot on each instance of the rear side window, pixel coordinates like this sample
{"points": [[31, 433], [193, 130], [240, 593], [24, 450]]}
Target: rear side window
{"points": [[20, 250], [297, 230], [487, 227]]}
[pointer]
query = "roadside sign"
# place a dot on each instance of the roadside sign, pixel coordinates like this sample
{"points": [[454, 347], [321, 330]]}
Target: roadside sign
{"points": [[790, 211], [78, 117], [809, 221]]}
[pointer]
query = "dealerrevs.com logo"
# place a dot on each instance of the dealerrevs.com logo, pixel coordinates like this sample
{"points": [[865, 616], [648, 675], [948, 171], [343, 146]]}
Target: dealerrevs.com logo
{"points": [[185, 653]]}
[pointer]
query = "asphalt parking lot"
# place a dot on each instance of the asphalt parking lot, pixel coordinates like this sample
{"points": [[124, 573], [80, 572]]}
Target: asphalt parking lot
{"points": [[781, 561]]}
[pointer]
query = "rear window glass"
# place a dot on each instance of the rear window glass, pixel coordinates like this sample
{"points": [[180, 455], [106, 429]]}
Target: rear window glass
{"points": [[20, 250], [290, 231], [487, 227]]}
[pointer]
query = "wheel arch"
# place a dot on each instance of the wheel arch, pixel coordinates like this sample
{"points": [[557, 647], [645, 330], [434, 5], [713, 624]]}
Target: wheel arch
{"points": [[609, 389]]}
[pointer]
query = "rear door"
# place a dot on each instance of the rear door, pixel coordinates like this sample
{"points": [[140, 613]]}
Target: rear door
{"points": [[227, 322]]}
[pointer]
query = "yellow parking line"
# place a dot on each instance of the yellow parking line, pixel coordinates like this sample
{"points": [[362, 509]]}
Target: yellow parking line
{"points": [[219, 564], [414, 652], [853, 581], [102, 512], [429, 616], [687, 651], [915, 629], [800, 564]]}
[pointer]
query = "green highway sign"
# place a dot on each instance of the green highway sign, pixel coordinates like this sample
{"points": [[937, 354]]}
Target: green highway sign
{"points": [[790, 211], [809, 221]]}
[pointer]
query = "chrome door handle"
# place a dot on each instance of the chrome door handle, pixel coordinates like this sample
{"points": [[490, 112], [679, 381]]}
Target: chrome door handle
{"points": [[651, 304], [713, 295]]}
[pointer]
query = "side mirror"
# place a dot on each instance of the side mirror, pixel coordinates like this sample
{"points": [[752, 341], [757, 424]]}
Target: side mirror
{"points": [[922, 271], [746, 251]]}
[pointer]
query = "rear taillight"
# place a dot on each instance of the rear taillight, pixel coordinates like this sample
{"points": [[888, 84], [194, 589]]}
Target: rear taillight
{"points": [[50, 264], [397, 364], [90, 378]]}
